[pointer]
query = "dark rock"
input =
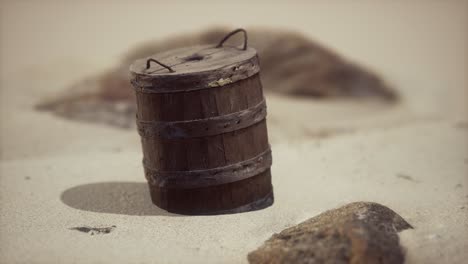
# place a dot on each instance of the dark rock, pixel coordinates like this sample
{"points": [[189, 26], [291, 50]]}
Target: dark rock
{"points": [[94, 230], [361, 232], [406, 177]]}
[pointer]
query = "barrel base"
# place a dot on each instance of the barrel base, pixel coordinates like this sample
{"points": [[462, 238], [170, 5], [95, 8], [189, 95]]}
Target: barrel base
{"points": [[250, 194], [254, 206]]}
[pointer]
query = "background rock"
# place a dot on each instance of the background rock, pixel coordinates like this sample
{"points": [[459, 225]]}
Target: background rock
{"points": [[291, 64]]}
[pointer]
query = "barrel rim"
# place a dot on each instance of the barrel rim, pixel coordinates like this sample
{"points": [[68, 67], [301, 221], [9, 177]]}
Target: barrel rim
{"points": [[241, 68], [179, 54]]}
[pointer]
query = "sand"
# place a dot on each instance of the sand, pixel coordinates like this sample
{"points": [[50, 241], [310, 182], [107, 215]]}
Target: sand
{"points": [[57, 174]]}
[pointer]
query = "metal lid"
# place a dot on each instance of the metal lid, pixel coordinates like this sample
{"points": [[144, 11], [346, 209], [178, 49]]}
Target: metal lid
{"points": [[195, 68]]}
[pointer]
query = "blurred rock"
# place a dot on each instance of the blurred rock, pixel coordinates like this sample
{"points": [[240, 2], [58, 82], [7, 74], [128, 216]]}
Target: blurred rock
{"points": [[291, 64]]}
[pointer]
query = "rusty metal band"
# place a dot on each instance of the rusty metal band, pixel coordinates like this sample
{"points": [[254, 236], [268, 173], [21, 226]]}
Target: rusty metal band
{"points": [[209, 177], [203, 127]]}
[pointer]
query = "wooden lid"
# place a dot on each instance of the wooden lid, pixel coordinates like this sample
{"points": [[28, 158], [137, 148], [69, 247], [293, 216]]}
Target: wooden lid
{"points": [[194, 68]]}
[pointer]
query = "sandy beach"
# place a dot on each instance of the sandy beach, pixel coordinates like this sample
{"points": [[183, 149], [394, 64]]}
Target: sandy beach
{"points": [[56, 174]]}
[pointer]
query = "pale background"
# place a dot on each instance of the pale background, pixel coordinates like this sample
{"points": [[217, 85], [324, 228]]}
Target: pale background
{"points": [[419, 47]]}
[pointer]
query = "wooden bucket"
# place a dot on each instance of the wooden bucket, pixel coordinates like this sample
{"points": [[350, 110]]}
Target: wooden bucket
{"points": [[201, 117]]}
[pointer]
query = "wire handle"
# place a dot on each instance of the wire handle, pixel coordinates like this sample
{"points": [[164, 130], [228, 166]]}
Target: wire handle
{"points": [[148, 64], [232, 33]]}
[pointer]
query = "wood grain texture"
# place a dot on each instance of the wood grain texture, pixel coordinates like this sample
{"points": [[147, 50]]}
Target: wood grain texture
{"points": [[169, 161]]}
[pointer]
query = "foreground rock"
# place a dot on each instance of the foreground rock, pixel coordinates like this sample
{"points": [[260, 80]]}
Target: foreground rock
{"points": [[359, 232]]}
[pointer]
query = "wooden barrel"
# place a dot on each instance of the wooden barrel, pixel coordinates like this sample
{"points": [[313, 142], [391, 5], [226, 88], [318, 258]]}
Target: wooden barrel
{"points": [[201, 117]]}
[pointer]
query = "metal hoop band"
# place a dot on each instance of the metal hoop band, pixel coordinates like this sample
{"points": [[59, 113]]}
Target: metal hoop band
{"points": [[210, 177], [203, 127]]}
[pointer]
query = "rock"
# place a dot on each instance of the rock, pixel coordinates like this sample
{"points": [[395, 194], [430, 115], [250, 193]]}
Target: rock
{"points": [[291, 64], [94, 230], [360, 232]]}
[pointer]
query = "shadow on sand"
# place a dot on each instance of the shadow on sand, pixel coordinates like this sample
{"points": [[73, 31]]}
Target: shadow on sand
{"points": [[126, 198]]}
